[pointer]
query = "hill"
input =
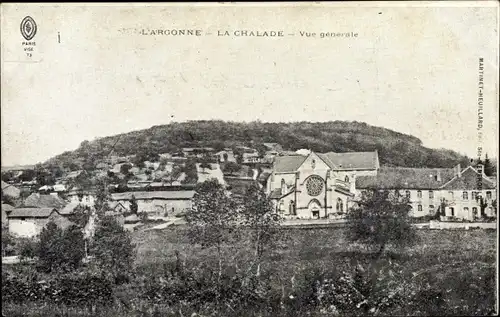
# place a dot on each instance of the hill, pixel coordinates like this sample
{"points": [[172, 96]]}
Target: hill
{"points": [[394, 148]]}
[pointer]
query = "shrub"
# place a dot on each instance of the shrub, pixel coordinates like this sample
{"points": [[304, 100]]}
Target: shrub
{"points": [[60, 249], [74, 289], [112, 249], [382, 218]]}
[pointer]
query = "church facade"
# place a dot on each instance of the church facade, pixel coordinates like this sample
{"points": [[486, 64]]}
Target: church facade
{"points": [[319, 185]]}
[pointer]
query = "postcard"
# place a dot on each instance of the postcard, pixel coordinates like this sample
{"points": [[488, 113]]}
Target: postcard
{"points": [[253, 159]]}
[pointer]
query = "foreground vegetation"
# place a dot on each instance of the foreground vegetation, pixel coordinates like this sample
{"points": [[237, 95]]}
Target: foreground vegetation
{"points": [[447, 273]]}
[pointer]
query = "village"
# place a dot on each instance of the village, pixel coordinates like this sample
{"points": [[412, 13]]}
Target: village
{"points": [[306, 188]]}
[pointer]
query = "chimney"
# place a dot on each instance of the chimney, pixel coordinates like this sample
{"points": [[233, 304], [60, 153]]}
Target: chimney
{"points": [[438, 175], [457, 170]]}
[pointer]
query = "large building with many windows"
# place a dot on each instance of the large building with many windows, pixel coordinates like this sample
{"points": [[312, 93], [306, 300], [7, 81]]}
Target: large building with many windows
{"points": [[456, 193], [319, 185]]}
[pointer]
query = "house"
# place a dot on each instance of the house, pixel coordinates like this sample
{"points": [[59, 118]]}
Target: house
{"points": [[251, 158], [44, 201], [157, 203], [318, 185], [10, 190], [118, 207], [225, 155], [429, 190], [83, 197], [151, 165], [59, 188], [205, 173], [6, 209], [102, 166], [165, 155], [197, 152], [269, 156], [29, 222], [276, 147], [74, 174]]}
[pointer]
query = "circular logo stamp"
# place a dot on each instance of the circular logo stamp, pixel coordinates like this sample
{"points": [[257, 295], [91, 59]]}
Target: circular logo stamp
{"points": [[28, 28]]}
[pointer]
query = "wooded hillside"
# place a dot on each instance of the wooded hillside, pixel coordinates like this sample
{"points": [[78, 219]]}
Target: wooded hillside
{"points": [[394, 148]]}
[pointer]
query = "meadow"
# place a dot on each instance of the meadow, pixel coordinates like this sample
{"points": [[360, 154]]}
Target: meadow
{"points": [[311, 272]]}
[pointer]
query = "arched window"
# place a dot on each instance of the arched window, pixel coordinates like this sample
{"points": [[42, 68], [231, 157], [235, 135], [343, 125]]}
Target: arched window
{"points": [[419, 207], [431, 208], [474, 211], [465, 195], [488, 195], [346, 179], [340, 205], [466, 209], [431, 194], [473, 195], [291, 208], [281, 207], [419, 194], [408, 194]]}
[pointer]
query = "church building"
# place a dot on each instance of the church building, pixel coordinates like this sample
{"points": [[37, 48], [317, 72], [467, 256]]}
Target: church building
{"points": [[319, 185]]}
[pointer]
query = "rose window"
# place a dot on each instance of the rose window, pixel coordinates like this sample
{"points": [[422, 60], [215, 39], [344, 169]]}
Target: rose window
{"points": [[314, 185]]}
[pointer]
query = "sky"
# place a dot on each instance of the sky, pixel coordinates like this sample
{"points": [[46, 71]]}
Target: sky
{"points": [[92, 73]]}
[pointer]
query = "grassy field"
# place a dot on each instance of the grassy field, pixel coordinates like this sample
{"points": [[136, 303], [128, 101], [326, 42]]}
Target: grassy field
{"points": [[461, 264], [458, 266]]}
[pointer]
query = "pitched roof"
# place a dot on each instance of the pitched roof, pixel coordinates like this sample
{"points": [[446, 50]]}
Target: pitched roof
{"points": [[7, 208], [68, 209], [10, 190], [167, 195], [405, 178], [469, 180], [38, 200], [74, 174], [337, 161], [288, 164], [31, 212], [275, 193], [350, 160]]}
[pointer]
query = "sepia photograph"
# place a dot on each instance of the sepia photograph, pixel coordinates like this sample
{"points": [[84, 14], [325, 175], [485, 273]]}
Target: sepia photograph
{"points": [[250, 159]]}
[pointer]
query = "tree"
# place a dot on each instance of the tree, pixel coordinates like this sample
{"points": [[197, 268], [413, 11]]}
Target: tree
{"points": [[212, 220], [231, 168], [49, 247], [112, 249], [262, 220], [191, 173], [205, 165], [133, 205], [60, 249], [7, 241], [28, 175], [80, 216], [489, 168], [262, 149], [102, 195], [381, 218], [125, 169]]}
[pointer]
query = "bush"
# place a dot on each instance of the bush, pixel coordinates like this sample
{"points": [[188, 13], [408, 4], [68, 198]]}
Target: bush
{"points": [[112, 249], [60, 249], [74, 289]]}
